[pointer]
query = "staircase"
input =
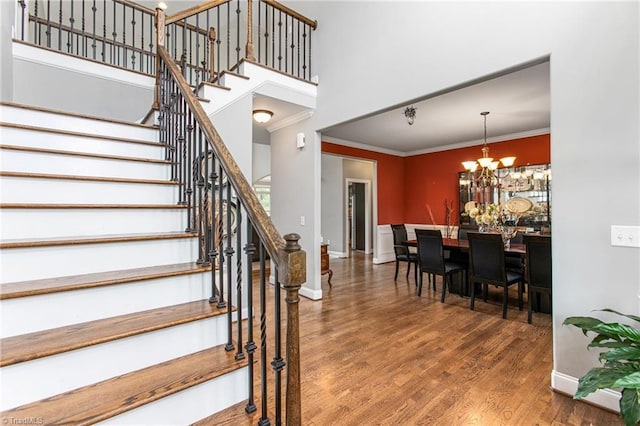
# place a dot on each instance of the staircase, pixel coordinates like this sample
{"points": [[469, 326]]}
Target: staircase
{"points": [[105, 314]]}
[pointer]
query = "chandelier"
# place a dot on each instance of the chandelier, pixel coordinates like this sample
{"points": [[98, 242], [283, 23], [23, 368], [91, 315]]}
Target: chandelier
{"points": [[484, 169], [410, 114]]}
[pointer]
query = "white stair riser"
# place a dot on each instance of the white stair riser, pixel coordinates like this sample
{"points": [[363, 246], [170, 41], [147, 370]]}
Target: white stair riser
{"points": [[76, 124], [45, 377], [34, 162], [49, 140], [77, 306], [70, 223], [190, 405], [63, 191], [21, 264]]}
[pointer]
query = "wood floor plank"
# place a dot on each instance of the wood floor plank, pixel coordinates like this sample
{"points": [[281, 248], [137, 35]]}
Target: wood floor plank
{"points": [[40, 344], [374, 353], [100, 279]]}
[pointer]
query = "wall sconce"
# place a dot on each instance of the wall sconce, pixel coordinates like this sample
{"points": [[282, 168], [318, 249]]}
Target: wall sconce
{"points": [[262, 115], [300, 142]]}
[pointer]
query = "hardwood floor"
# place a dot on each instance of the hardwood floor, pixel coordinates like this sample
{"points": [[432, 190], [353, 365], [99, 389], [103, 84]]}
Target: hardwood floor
{"points": [[375, 353]]}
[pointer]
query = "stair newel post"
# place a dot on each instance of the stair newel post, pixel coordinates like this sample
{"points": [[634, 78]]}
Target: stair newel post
{"points": [[212, 54], [250, 347], [160, 39], [293, 270], [249, 47]]}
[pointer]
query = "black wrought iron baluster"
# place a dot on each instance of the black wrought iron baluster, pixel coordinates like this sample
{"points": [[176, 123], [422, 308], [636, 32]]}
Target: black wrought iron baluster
{"points": [[238, 31], [201, 198], [104, 30], [189, 65], [183, 55], [37, 34], [114, 33], [286, 43], [280, 40], [207, 71], [22, 5], [260, 30], [173, 125], [48, 31], [71, 33], [213, 253], [60, 27], [84, 37], [228, 36], [278, 363], [124, 36], [188, 159], [229, 251], [309, 54], [218, 43], [304, 53], [298, 57], [182, 144], [273, 37], [250, 347], [264, 419], [220, 227], [197, 63], [238, 226], [133, 38], [94, 9]]}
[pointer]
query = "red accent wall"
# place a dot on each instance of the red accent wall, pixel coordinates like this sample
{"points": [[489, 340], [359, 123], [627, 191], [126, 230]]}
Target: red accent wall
{"points": [[390, 172], [406, 185]]}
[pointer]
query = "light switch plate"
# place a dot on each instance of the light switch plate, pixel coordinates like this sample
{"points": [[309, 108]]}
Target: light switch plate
{"points": [[625, 236]]}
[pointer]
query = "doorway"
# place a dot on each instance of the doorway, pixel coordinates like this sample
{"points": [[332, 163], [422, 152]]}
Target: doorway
{"points": [[358, 212]]}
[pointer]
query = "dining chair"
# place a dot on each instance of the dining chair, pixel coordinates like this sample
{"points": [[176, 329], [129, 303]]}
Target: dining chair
{"points": [[538, 268], [402, 252], [487, 267], [431, 260]]}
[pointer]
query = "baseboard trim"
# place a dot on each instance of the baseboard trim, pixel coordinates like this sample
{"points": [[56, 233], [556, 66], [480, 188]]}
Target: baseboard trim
{"points": [[337, 254], [604, 398], [310, 294]]}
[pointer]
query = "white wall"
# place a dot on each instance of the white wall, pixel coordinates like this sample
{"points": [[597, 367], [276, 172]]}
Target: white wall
{"points": [[295, 192], [391, 52], [261, 161], [333, 203]]}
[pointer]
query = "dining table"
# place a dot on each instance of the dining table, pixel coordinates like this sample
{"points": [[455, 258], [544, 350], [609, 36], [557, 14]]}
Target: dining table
{"points": [[513, 249]]}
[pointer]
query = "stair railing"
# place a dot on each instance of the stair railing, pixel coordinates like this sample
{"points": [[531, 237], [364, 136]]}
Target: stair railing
{"points": [[204, 40], [218, 196]]}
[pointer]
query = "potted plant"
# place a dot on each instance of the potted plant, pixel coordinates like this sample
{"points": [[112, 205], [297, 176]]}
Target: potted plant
{"points": [[621, 362]]}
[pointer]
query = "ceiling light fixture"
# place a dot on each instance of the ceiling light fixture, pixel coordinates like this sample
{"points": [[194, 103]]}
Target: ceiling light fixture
{"points": [[262, 115], [410, 114], [486, 176]]}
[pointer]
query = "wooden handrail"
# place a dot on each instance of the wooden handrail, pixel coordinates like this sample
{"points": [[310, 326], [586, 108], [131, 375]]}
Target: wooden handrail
{"points": [[194, 10], [312, 23], [136, 6], [267, 232]]}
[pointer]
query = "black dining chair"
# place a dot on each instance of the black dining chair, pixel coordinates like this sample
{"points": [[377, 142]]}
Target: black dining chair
{"points": [[431, 260], [402, 252], [487, 267], [538, 267]]}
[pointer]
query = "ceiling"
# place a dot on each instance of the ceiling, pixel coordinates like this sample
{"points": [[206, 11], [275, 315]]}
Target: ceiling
{"points": [[518, 103]]}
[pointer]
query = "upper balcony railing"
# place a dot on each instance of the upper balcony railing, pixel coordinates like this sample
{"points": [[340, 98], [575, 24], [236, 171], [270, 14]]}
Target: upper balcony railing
{"points": [[204, 40]]}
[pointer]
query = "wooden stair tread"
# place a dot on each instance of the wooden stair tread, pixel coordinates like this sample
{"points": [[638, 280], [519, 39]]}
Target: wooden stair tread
{"points": [[26, 347], [64, 241], [83, 154], [75, 114], [100, 279], [31, 175], [100, 401], [89, 206], [80, 134]]}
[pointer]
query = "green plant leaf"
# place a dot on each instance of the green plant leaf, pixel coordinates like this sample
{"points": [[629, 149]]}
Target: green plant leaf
{"points": [[629, 381], [631, 317], [617, 331], [585, 323], [621, 354], [597, 378], [629, 407], [607, 344]]}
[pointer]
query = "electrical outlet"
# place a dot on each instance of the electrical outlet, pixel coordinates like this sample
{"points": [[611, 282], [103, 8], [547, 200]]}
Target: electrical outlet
{"points": [[625, 236], [302, 220]]}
